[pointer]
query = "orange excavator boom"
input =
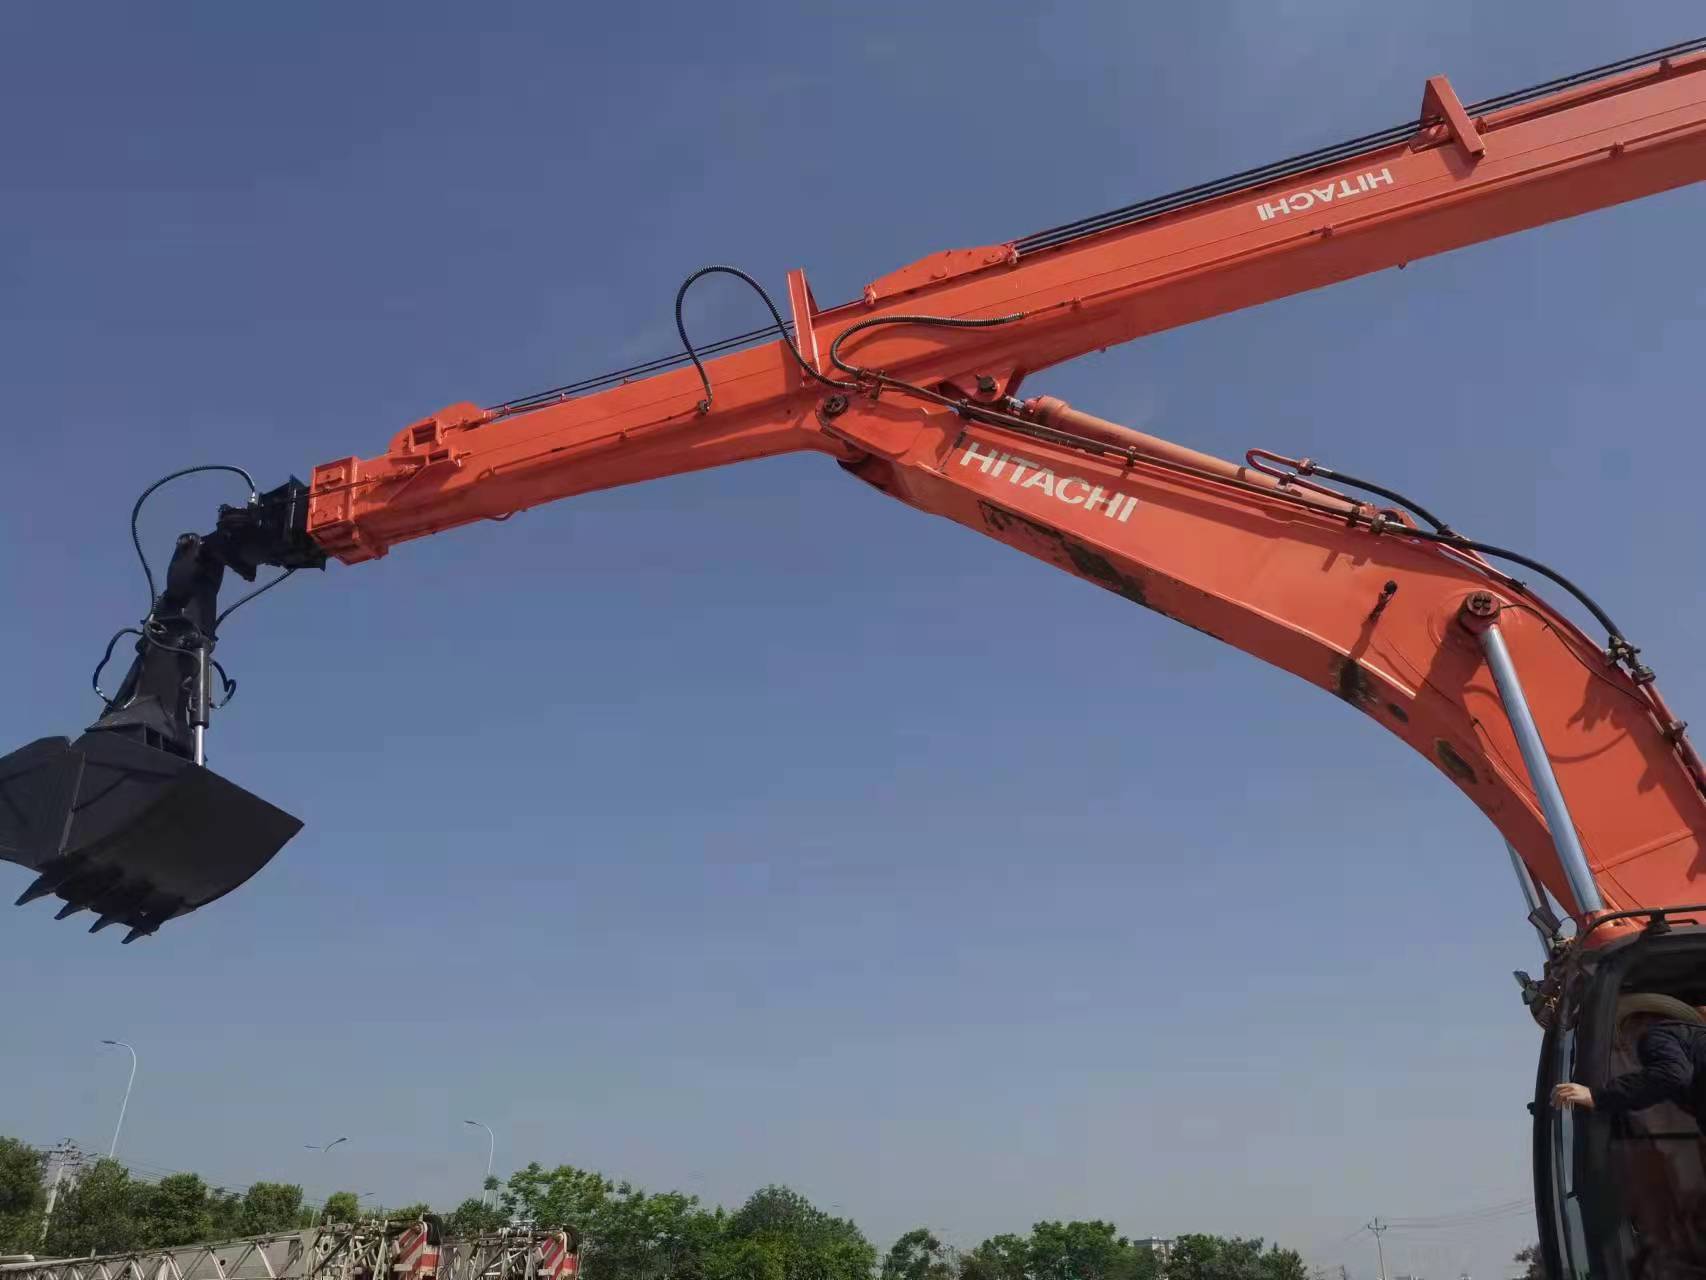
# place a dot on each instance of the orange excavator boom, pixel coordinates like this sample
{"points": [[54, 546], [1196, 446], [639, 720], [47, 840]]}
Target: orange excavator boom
{"points": [[1369, 610], [1561, 739]]}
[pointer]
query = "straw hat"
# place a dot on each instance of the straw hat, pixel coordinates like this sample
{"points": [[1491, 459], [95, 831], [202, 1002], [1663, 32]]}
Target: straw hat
{"points": [[1662, 1005]]}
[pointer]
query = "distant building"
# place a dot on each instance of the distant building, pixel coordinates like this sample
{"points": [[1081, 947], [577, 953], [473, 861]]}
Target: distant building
{"points": [[1159, 1247]]}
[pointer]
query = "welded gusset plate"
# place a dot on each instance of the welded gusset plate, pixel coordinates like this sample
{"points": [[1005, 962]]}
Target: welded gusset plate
{"points": [[148, 836]]}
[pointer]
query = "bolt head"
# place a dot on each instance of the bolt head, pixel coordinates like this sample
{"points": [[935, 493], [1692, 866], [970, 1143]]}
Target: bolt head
{"points": [[1481, 604]]}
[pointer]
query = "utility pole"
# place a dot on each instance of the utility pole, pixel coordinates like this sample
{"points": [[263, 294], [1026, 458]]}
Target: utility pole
{"points": [[62, 1161], [1379, 1228]]}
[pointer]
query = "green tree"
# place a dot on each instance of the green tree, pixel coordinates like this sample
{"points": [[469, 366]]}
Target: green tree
{"points": [[409, 1212], [642, 1234], [1086, 1251], [270, 1207], [475, 1217], [177, 1210], [562, 1196], [917, 1255], [636, 1234], [626, 1233], [97, 1213], [779, 1235], [341, 1206], [1283, 1264], [1200, 1257], [22, 1197], [226, 1209], [1003, 1257], [1533, 1265]]}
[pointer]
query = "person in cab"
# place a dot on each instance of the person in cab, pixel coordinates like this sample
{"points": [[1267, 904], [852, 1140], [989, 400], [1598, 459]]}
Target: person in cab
{"points": [[1669, 1040], [1660, 1102]]}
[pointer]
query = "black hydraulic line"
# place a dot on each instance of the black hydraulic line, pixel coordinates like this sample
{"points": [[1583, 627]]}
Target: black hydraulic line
{"points": [[1259, 176], [229, 684], [1518, 96], [152, 631], [136, 538], [1391, 495], [738, 274], [1279, 169], [95, 679], [1596, 672], [1067, 232], [1654, 915], [657, 365], [1619, 648], [243, 600], [939, 322], [1619, 645]]}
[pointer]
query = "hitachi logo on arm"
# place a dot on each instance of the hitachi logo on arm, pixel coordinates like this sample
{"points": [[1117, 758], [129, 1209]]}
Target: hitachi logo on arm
{"points": [[1025, 474], [1306, 199]]}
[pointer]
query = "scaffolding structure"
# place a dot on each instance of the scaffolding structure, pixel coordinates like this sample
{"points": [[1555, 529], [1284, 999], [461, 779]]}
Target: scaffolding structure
{"points": [[362, 1251]]}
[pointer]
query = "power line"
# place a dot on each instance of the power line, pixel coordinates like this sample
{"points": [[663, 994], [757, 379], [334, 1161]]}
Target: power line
{"points": [[1518, 1202], [1475, 1222], [152, 1174]]}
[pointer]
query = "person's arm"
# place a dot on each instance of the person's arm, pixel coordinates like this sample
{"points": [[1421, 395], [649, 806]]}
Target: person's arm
{"points": [[1664, 1072]]}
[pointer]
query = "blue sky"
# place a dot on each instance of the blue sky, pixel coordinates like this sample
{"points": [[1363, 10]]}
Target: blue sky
{"points": [[744, 827]]}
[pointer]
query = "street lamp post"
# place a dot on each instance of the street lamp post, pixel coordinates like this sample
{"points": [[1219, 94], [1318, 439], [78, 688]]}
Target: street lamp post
{"points": [[125, 1105], [322, 1149], [491, 1153]]}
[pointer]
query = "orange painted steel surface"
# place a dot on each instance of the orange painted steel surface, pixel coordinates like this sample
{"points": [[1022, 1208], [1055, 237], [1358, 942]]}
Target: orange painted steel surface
{"points": [[1583, 149], [1278, 572], [1295, 585]]}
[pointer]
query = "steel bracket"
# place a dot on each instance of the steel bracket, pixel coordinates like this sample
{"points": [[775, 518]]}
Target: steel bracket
{"points": [[1440, 99], [804, 307]]}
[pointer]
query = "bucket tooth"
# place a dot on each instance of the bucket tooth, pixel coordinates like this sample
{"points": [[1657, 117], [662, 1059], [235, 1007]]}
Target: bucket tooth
{"points": [[46, 883], [149, 914], [89, 885], [121, 902], [68, 910], [40, 887]]}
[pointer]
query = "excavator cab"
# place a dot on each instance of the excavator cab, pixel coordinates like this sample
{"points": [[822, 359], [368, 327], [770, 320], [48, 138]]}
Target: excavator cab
{"points": [[1619, 1197]]}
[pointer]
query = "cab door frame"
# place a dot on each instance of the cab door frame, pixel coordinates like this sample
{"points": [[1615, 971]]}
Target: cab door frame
{"points": [[1578, 1202]]}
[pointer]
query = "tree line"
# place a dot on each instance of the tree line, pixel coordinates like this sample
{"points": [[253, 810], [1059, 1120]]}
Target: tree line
{"points": [[627, 1233]]}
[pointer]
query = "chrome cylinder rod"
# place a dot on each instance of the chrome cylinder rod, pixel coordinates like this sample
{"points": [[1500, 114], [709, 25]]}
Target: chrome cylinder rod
{"points": [[1564, 839], [202, 703]]}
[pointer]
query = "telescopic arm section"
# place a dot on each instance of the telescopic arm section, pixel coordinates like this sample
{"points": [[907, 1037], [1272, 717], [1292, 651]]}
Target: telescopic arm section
{"points": [[1456, 177]]}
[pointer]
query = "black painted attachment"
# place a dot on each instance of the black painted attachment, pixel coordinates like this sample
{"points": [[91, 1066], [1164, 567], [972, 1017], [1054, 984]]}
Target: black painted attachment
{"points": [[125, 822], [133, 833]]}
